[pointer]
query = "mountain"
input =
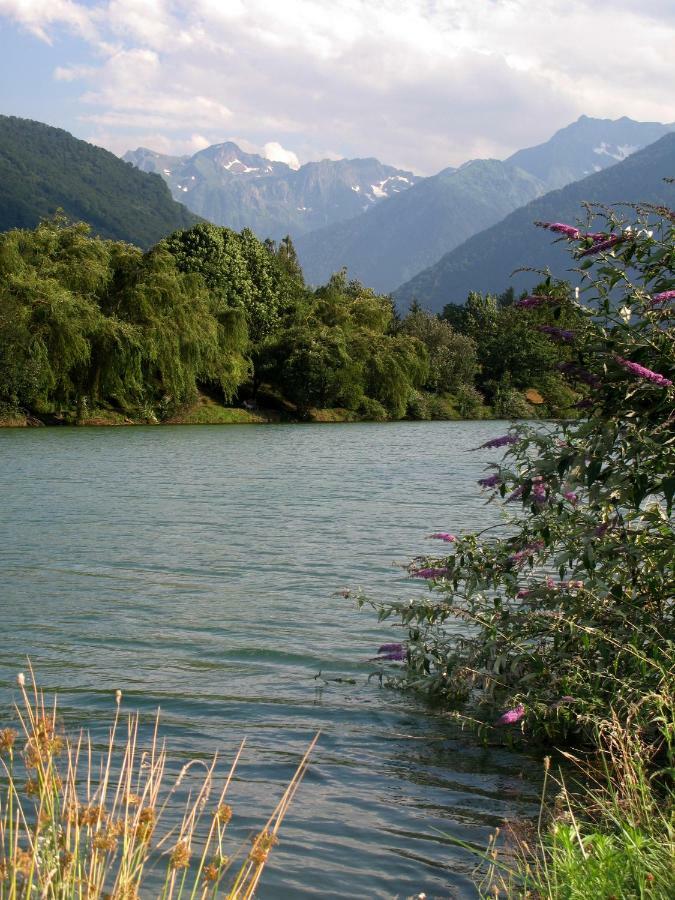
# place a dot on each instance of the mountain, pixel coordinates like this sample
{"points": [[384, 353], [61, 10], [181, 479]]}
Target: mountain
{"points": [[243, 190], [586, 146], [403, 235], [390, 243], [44, 168], [485, 261]]}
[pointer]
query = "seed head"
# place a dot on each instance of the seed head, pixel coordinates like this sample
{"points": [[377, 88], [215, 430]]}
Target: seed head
{"points": [[224, 813], [21, 680], [180, 856], [7, 738]]}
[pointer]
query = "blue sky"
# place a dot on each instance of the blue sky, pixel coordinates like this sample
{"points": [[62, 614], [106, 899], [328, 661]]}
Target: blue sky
{"points": [[421, 84]]}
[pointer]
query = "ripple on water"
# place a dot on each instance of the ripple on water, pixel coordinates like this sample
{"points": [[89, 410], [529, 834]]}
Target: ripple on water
{"points": [[199, 570]]}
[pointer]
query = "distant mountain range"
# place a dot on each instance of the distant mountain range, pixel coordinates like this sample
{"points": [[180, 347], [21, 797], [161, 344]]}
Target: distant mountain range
{"points": [[485, 261], [243, 190], [43, 169], [392, 242]]}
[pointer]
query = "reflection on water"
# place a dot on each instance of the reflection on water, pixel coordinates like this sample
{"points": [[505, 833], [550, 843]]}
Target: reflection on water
{"points": [[199, 569]]}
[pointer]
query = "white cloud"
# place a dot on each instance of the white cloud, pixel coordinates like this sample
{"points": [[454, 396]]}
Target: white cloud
{"points": [[418, 83], [274, 151]]}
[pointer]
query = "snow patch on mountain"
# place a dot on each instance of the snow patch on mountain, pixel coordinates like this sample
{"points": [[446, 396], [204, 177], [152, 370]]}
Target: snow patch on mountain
{"points": [[621, 151]]}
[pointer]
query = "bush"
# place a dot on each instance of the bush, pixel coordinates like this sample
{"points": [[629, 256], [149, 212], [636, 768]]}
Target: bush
{"points": [[568, 617], [469, 401], [419, 406], [372, 410], [511, 404]]}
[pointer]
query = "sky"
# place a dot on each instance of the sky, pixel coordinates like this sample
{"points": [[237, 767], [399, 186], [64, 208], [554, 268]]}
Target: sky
{"points": [[420, 84]]}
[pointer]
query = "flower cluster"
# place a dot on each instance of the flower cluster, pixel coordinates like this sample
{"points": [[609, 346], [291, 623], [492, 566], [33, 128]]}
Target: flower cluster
{"points": [[503, 441], [642, 372], [560, 334], [443, 536]]}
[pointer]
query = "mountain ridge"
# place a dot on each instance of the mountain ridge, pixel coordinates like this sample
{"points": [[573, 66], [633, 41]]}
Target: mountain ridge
{"points": [[486, 261]]}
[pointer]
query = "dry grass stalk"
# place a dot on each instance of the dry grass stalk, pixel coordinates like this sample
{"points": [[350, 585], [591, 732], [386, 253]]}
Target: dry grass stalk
{"points": [[76, 823]]}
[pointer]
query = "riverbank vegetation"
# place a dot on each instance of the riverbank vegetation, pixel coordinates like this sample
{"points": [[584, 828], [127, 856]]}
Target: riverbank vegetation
{"points": [[78, 820], [562, 617], [96, 331]]}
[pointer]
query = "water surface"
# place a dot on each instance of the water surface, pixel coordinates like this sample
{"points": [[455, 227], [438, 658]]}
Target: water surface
{"points": [[199, 569]]}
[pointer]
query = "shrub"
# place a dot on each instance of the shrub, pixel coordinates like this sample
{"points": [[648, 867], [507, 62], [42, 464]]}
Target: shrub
{"points": [[568, 616]]}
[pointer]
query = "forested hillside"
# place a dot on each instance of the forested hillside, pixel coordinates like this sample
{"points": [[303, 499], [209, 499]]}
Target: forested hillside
{"points": [[487, 260], [43, 169]]}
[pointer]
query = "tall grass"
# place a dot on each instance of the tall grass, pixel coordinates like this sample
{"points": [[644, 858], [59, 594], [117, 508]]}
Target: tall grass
{"points": [[610, 832], [77, 822]]}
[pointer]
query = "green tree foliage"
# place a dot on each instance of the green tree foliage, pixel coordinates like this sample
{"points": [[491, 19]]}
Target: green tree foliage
{"points": [[452, 356], [342, 351], [83, 319], [43, 169]]}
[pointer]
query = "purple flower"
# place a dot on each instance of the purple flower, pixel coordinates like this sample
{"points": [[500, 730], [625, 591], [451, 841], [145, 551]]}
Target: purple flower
{"points": [[434, 572], [443, 536], [517, 494], [641, 372], [560, 228], [563, 701], [511, 716], [522, 594], [601, 530], [663, 297], [390, 648], [571, 497], [579, 373], [491, 481], [528, 550], [396, 655], [538, 490], [499, 442], [602, 245], [560, 334], [531, 302]]}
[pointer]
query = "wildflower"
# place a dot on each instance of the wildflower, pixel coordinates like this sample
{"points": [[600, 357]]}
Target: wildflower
{"points": [[443, 536], [390, 648], [642, 372], [560, 228], [538, 490], [663, 297], [502, 441], [560, 334], [571, 497], [517, 494], [531, 302], [395, 655], [601, 245], [579, 373], [433, 572], [528, 550], [522, 594], [625, 314], [490, 481], [511, 716]]}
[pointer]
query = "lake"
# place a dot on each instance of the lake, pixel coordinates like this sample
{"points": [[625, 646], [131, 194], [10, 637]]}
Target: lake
{"points": [[200, 569]]}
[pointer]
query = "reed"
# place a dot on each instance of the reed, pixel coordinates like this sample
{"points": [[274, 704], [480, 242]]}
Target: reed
{"points": [[77, 821]]}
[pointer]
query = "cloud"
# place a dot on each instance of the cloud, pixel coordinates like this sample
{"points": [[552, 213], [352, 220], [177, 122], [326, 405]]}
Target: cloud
{"points": [[274, 151], [418, 83]]}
